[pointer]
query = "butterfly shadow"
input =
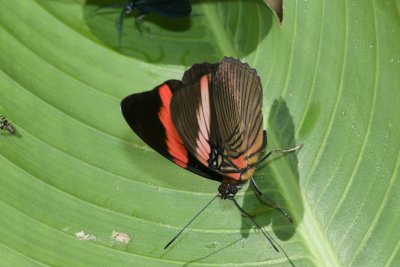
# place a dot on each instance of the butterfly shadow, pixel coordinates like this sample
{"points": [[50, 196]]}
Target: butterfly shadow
{"points": [[271, 182], [178, 41]]}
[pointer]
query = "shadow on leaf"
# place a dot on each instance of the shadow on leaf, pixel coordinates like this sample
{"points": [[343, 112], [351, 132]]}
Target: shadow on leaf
{"points": [[270, 180], [214, 29]]}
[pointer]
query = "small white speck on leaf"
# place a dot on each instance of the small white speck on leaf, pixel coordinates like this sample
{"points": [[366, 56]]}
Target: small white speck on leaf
{"points": [[84, 236], [120, 237]]}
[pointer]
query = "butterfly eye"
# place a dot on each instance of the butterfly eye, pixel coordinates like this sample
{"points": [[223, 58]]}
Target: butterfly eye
{"points": [[227, 190]]}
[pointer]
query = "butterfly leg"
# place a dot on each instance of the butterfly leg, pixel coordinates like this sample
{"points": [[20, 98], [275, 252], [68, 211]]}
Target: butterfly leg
{"points": [[269, 238], [121, 17], [138, 22], [269, 202]]}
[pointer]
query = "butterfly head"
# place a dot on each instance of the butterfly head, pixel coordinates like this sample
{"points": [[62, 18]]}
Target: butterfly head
{"points": [[228, 189]]}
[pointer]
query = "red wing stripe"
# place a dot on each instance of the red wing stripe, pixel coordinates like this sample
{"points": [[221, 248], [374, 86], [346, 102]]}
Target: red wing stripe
{"points": [[235, 176], [240, 162], [175, 146]]}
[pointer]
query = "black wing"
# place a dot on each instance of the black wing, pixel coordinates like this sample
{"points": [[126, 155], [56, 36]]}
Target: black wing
{"points": [[149, 117]]}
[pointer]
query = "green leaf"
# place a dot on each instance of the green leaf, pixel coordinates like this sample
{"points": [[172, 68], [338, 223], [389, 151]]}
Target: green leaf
{"points": [[331, 77]]}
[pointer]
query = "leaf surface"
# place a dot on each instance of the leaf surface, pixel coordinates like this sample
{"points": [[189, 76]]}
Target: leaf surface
{"points": [[330, 73]]}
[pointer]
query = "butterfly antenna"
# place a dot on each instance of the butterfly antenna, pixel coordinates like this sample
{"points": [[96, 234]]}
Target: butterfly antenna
{"points": [[259, 227], [138, 22], [281, 151], [180, 232]]}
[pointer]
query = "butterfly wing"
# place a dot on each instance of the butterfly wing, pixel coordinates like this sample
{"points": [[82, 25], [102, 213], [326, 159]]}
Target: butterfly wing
{"points": [[220, 120], [239, 124], [193, 124], [166, 8], [193, 75], [149, 116]]}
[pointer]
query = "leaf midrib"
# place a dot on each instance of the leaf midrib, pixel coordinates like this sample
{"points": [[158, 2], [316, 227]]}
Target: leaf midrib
{"points": [[218, 32]]}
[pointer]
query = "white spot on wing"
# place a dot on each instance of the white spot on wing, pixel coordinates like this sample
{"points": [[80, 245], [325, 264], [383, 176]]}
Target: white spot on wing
{"points": [[203, 117]]}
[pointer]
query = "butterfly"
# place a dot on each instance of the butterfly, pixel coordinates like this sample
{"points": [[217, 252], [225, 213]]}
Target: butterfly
{"points": [[210, 123], [164, 8]]}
